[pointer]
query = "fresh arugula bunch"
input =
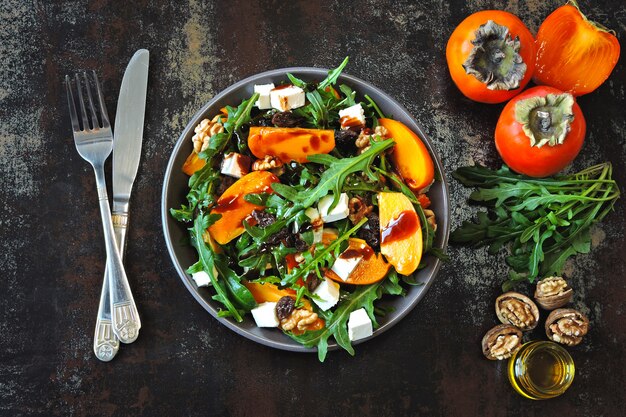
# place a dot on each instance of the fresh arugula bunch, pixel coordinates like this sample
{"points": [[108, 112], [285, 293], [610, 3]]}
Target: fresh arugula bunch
{"points": [[545, 221]]}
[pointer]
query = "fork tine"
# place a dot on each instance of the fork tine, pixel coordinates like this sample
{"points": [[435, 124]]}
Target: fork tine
{"points": [[92, 107], [72, 104], [103, 107], [82, 104]]}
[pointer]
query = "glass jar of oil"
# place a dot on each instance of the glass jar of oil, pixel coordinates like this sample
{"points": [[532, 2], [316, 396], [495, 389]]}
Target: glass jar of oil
{"points": [[540, 370]]}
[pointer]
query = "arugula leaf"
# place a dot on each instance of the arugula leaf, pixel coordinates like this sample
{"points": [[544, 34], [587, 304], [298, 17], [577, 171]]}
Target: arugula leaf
{"points": [[319, 111], [239, 116], [333, 178], [183, 214], [391, 285], [374, 106], [207, 260], [238, 292], [297, 81], [331, 79], [350, 95]]}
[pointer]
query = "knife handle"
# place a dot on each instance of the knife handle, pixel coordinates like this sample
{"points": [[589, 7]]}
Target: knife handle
{"points": [[105, 343]]}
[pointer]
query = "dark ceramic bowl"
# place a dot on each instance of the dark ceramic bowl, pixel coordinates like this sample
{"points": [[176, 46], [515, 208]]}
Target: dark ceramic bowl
{"points": [[175, 190]]}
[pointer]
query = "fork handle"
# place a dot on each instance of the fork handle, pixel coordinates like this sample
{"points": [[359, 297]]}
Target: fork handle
{"points": [[124, 315], [106, 344]]}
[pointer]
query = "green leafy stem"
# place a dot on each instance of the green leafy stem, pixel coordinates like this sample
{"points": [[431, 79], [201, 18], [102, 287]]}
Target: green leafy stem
{"points": [[545, 220]]}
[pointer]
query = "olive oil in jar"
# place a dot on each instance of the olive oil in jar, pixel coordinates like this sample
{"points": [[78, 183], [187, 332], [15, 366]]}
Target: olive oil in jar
{"points": [[541, 370]]}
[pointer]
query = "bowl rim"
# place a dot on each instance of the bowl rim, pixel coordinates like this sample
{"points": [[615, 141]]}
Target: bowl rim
{"points": [[290, 345]]}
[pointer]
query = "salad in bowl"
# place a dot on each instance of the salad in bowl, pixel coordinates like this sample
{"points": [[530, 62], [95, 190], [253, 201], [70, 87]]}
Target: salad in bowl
{"points": [[308, 207]]}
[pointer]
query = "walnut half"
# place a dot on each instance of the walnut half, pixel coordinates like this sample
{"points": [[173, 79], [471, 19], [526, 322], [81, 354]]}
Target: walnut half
{"points": [[269, 163], [203, 132], [501, 342], [299, 318], [363, 141], [567, 326], [518, 310], [553, 292]]}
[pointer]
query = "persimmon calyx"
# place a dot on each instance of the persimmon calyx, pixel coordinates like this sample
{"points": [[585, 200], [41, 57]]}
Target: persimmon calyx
{"points": [[495, 59], [546, 120]]}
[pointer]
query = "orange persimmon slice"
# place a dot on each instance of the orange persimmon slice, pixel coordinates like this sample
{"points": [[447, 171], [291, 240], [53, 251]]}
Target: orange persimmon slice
{"points": [[574, 54], [193, 163], [401, 232], [289, 144], [235, 209], [410, 156]]}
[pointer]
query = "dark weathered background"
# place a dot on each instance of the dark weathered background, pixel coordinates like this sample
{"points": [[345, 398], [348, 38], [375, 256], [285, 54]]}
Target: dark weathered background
{"points": [[185, 363]]}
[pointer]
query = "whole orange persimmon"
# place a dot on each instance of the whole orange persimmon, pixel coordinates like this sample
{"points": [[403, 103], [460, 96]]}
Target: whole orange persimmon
{"points": [[491, 56], [540, 131]]}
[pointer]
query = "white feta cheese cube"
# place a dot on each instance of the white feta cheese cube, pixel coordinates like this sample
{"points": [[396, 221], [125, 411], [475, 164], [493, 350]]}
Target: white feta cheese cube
{"points": [[353, 116], [359, 325], [328, 291], [340, 211], [287, 97], [344, 265], [264, 102], [265, 315], [235, 165], [202, 279]]}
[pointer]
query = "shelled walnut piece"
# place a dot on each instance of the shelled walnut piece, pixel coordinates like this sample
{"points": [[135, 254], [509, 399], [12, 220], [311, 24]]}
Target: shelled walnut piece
{"points": [[300, 318], [501, 342], [553, 292], [363, 141], [203, 132], [269, 163], [518, 310], [567, 326]]}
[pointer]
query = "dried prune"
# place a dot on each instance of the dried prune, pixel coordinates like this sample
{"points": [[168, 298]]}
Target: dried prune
{"points": [[263, 218], [370, 232], [312, 281], [287, 119], [225, 182], [345, 139], [284, 307]]}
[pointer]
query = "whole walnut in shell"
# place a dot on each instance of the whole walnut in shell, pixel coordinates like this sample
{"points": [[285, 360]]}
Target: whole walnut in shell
{"points": [[501, 342], [567, 326], [518, 310], [553, 292]]}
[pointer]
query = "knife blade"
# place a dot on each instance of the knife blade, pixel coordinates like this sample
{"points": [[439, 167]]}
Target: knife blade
{"points": [[124, 323], [129, 120]]}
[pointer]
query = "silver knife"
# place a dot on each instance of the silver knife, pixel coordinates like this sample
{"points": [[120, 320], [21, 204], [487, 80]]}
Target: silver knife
{"points": [[118, 319]]}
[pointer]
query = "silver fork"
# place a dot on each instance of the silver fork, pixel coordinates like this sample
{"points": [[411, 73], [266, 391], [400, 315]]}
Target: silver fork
{"points": [[94, 144]]}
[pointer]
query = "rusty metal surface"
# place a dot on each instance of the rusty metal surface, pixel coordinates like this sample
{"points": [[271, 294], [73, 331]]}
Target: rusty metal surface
{"points": [[186, 363]]}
